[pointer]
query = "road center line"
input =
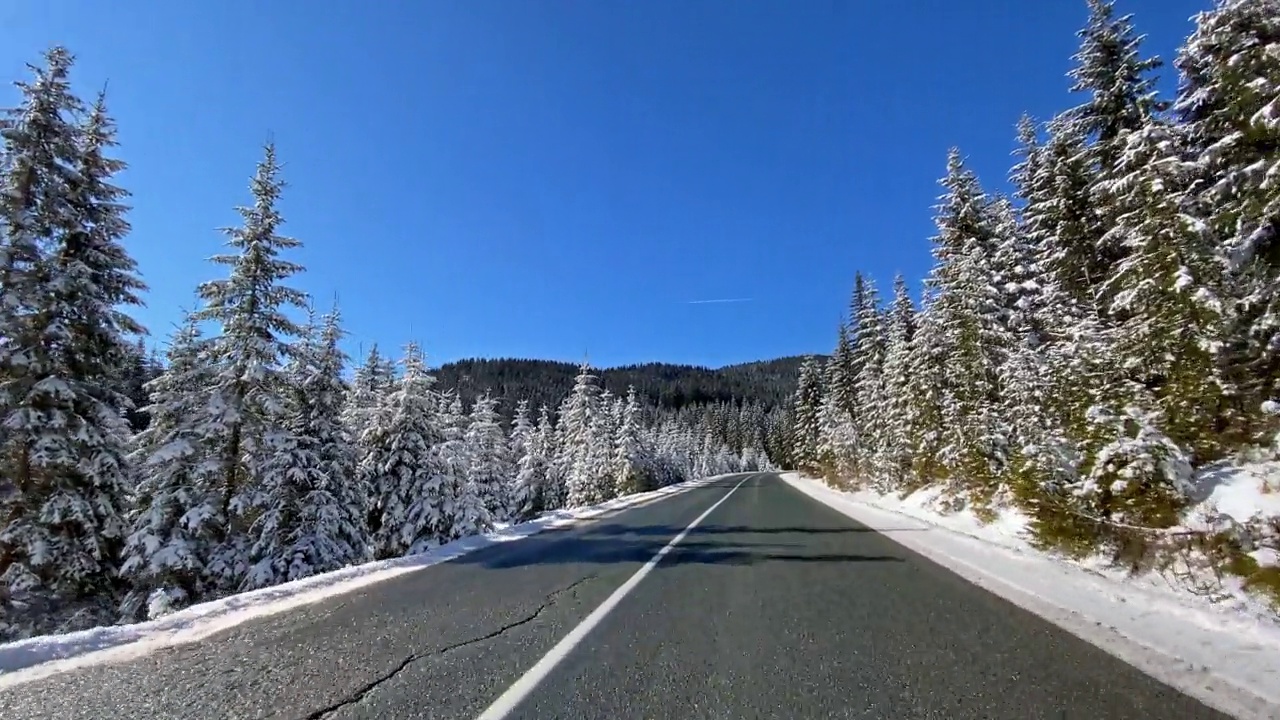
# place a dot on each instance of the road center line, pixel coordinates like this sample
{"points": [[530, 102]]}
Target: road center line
{"points": [[529, 681]]}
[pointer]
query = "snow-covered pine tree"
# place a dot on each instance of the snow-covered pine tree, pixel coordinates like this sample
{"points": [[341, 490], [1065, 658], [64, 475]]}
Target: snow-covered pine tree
{"points": [[411, 488], [248, 393], [630, 459], [963, 325], [175, 525], [464, 509], [1163, 294], [370, 385], [806, 413], [1229, 104], [530, 466], [575, 441], [604, 430], [869, 351], [898, 414], [312, 511], [65, 281], [1120, 96], [1117, 81], [1063, 373], [489, 465], [837, 446], [93, 280], [1019, 257], [544, 448], [853, 365]]}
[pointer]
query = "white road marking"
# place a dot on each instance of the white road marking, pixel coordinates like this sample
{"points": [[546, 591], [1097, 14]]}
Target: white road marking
{"points": [[536, 674]]}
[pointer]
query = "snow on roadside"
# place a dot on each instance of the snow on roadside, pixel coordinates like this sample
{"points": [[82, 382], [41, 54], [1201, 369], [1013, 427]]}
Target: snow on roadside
{"points": [[1226, 656], [37, 657]]}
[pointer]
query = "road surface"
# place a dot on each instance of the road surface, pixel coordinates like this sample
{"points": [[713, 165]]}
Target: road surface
{"points": [[774, 606]]}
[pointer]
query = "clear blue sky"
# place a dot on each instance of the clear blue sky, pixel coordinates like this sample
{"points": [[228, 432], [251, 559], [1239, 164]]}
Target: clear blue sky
{"points": [[544, 179]]}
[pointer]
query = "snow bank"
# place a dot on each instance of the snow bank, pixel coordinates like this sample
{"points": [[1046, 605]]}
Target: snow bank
{"points": [[46, 655], [1228, 656], [1244, 500]]}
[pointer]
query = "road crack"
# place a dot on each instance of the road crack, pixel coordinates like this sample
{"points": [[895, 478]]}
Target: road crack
{"points": [[369, 687]]}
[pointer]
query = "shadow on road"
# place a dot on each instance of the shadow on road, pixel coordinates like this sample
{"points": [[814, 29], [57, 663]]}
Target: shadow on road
{"points": [[668, 531], [641, 544]]}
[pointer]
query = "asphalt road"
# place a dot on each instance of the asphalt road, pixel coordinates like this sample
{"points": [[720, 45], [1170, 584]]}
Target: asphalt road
{"points": [[774, 606]]}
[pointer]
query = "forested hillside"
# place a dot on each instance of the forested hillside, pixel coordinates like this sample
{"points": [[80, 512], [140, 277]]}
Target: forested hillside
{"points": [[769, 383], [1087, 348]]}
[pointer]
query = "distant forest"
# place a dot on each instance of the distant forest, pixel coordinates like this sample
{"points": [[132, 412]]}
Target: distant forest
{"points": [[545, 382], [768, 383]]}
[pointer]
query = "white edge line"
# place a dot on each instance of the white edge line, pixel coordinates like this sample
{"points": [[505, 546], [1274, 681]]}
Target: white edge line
{"points": [[521, 688]]}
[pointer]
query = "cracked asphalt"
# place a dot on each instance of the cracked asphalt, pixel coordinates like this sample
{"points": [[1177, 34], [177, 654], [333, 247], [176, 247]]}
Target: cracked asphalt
{"points": [[774, 607]]}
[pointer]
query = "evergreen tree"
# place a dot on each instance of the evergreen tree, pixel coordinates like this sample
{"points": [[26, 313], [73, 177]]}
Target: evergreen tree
{"points": [[1117, 80], [807, 414], [248, 393], [898, 411], [66, 280], [175, 522], [869, 351], [575, 441], [543, 450], [371, 383], [465, 512], [630, 461], [1163, 294], [1120, 98], [841, 369], [527, 448], [311, 516], [963, 326], [411, 487], [489, 465], [1227, 101]]}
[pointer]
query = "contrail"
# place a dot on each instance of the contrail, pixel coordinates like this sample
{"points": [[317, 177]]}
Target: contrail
{"points": [[719, 300]]}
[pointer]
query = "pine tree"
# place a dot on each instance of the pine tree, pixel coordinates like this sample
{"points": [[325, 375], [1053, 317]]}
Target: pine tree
{"points": [[806, 411], [841, 369], [963, 325], [869, 351], [248, 390], [413, 489], [837, 446], [544, 449], [66, 281], [1228, 103], [312, 512], [371, 383], [601, 452], [630, 461], [898, 415], [1120, 98], [1111, 71], [489, 465], [528, 449], [575, 441], [175, 522], [1163, 294]]}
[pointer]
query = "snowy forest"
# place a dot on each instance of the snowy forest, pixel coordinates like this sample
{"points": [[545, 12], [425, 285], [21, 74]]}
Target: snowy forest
{"points": [[769, 383], [251, 454], [1088, 346]]}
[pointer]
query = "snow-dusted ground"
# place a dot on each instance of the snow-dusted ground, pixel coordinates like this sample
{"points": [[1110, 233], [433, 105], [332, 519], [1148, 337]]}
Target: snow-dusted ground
{"points": [[1226, 653], [29, 659]]}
